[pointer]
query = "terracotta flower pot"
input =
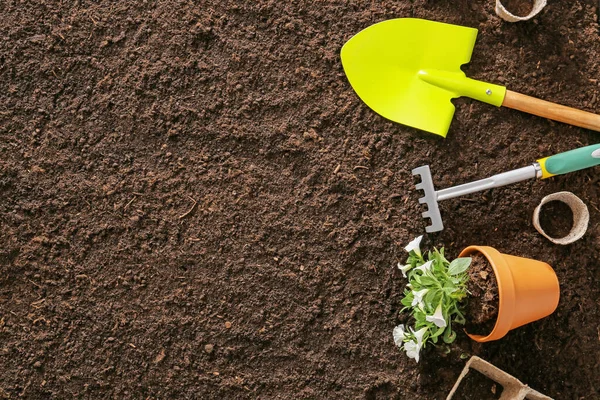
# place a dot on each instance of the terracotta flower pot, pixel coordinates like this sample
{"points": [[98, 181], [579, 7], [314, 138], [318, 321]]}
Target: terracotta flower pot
{"points": [[528, 290]]}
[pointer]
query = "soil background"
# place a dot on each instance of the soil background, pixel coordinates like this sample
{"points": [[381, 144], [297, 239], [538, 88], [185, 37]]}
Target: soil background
{"points": [[195, 204]]}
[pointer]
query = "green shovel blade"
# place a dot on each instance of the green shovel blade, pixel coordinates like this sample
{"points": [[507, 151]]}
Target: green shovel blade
{"points": [[408, 70]]}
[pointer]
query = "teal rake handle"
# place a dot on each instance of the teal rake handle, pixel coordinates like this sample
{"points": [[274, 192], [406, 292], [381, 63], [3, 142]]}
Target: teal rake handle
{"points": [[570, 161]]}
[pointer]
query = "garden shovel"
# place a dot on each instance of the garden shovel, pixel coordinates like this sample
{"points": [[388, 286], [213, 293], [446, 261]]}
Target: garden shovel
{"points": [[408, 70]]}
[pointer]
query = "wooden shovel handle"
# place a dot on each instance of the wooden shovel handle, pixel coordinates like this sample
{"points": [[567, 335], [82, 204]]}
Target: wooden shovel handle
{"points": [[552, 111]]}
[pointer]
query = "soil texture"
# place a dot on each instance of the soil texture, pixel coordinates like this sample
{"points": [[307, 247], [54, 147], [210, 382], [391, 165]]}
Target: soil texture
{"points": [[482, 304], [556, 219], [194, 203], [520, 8]]}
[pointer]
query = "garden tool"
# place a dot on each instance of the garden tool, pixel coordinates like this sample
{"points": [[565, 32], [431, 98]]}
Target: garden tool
{"points": [[408, 70], [558, 164]]}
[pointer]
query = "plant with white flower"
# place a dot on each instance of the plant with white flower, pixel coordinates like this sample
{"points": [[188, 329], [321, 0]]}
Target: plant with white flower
{"points": [[433, 295]]}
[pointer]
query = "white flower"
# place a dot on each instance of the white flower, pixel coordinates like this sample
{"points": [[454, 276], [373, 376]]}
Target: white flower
{"points": [[399, 335], [412, 350], [414, 245], [404, 268], [419, 335], [425, 267], [418, 297], [437, 318]]}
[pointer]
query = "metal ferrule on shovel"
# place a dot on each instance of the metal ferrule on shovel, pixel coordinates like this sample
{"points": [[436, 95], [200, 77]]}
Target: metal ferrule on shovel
{"points": [[558, 164]]}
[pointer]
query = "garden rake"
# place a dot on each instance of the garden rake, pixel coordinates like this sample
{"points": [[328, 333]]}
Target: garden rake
{"points": [[570, 161]]}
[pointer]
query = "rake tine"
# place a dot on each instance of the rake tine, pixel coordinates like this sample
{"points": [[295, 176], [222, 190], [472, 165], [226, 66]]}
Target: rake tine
{"points": [[430, 198]]}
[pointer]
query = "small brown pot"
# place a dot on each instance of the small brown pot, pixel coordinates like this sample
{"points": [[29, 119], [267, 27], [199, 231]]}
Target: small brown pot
{"points": [[528, 290]]}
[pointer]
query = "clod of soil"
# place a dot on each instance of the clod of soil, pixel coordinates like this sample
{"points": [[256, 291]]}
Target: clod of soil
{"points": [[482, 304], [520, 8], [556, 219], [476, 386]]}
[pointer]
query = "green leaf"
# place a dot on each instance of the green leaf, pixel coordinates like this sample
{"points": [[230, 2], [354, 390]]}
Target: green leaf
{"points": [[407, 300], [449, 335], [459, 317], [427, 281], [459, 265], [449, 287], [419, 316], [432, 299], [438, 332], [449, 290]]}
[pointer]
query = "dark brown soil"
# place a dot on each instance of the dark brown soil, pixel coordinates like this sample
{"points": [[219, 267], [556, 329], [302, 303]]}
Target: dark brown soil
{"points": [[520, 8], [476, 386], [556, 219], [482, 304], [195, 204]]}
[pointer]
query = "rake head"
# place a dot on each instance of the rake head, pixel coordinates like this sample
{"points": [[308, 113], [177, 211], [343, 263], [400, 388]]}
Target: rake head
{"points": [[430, 198]]}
